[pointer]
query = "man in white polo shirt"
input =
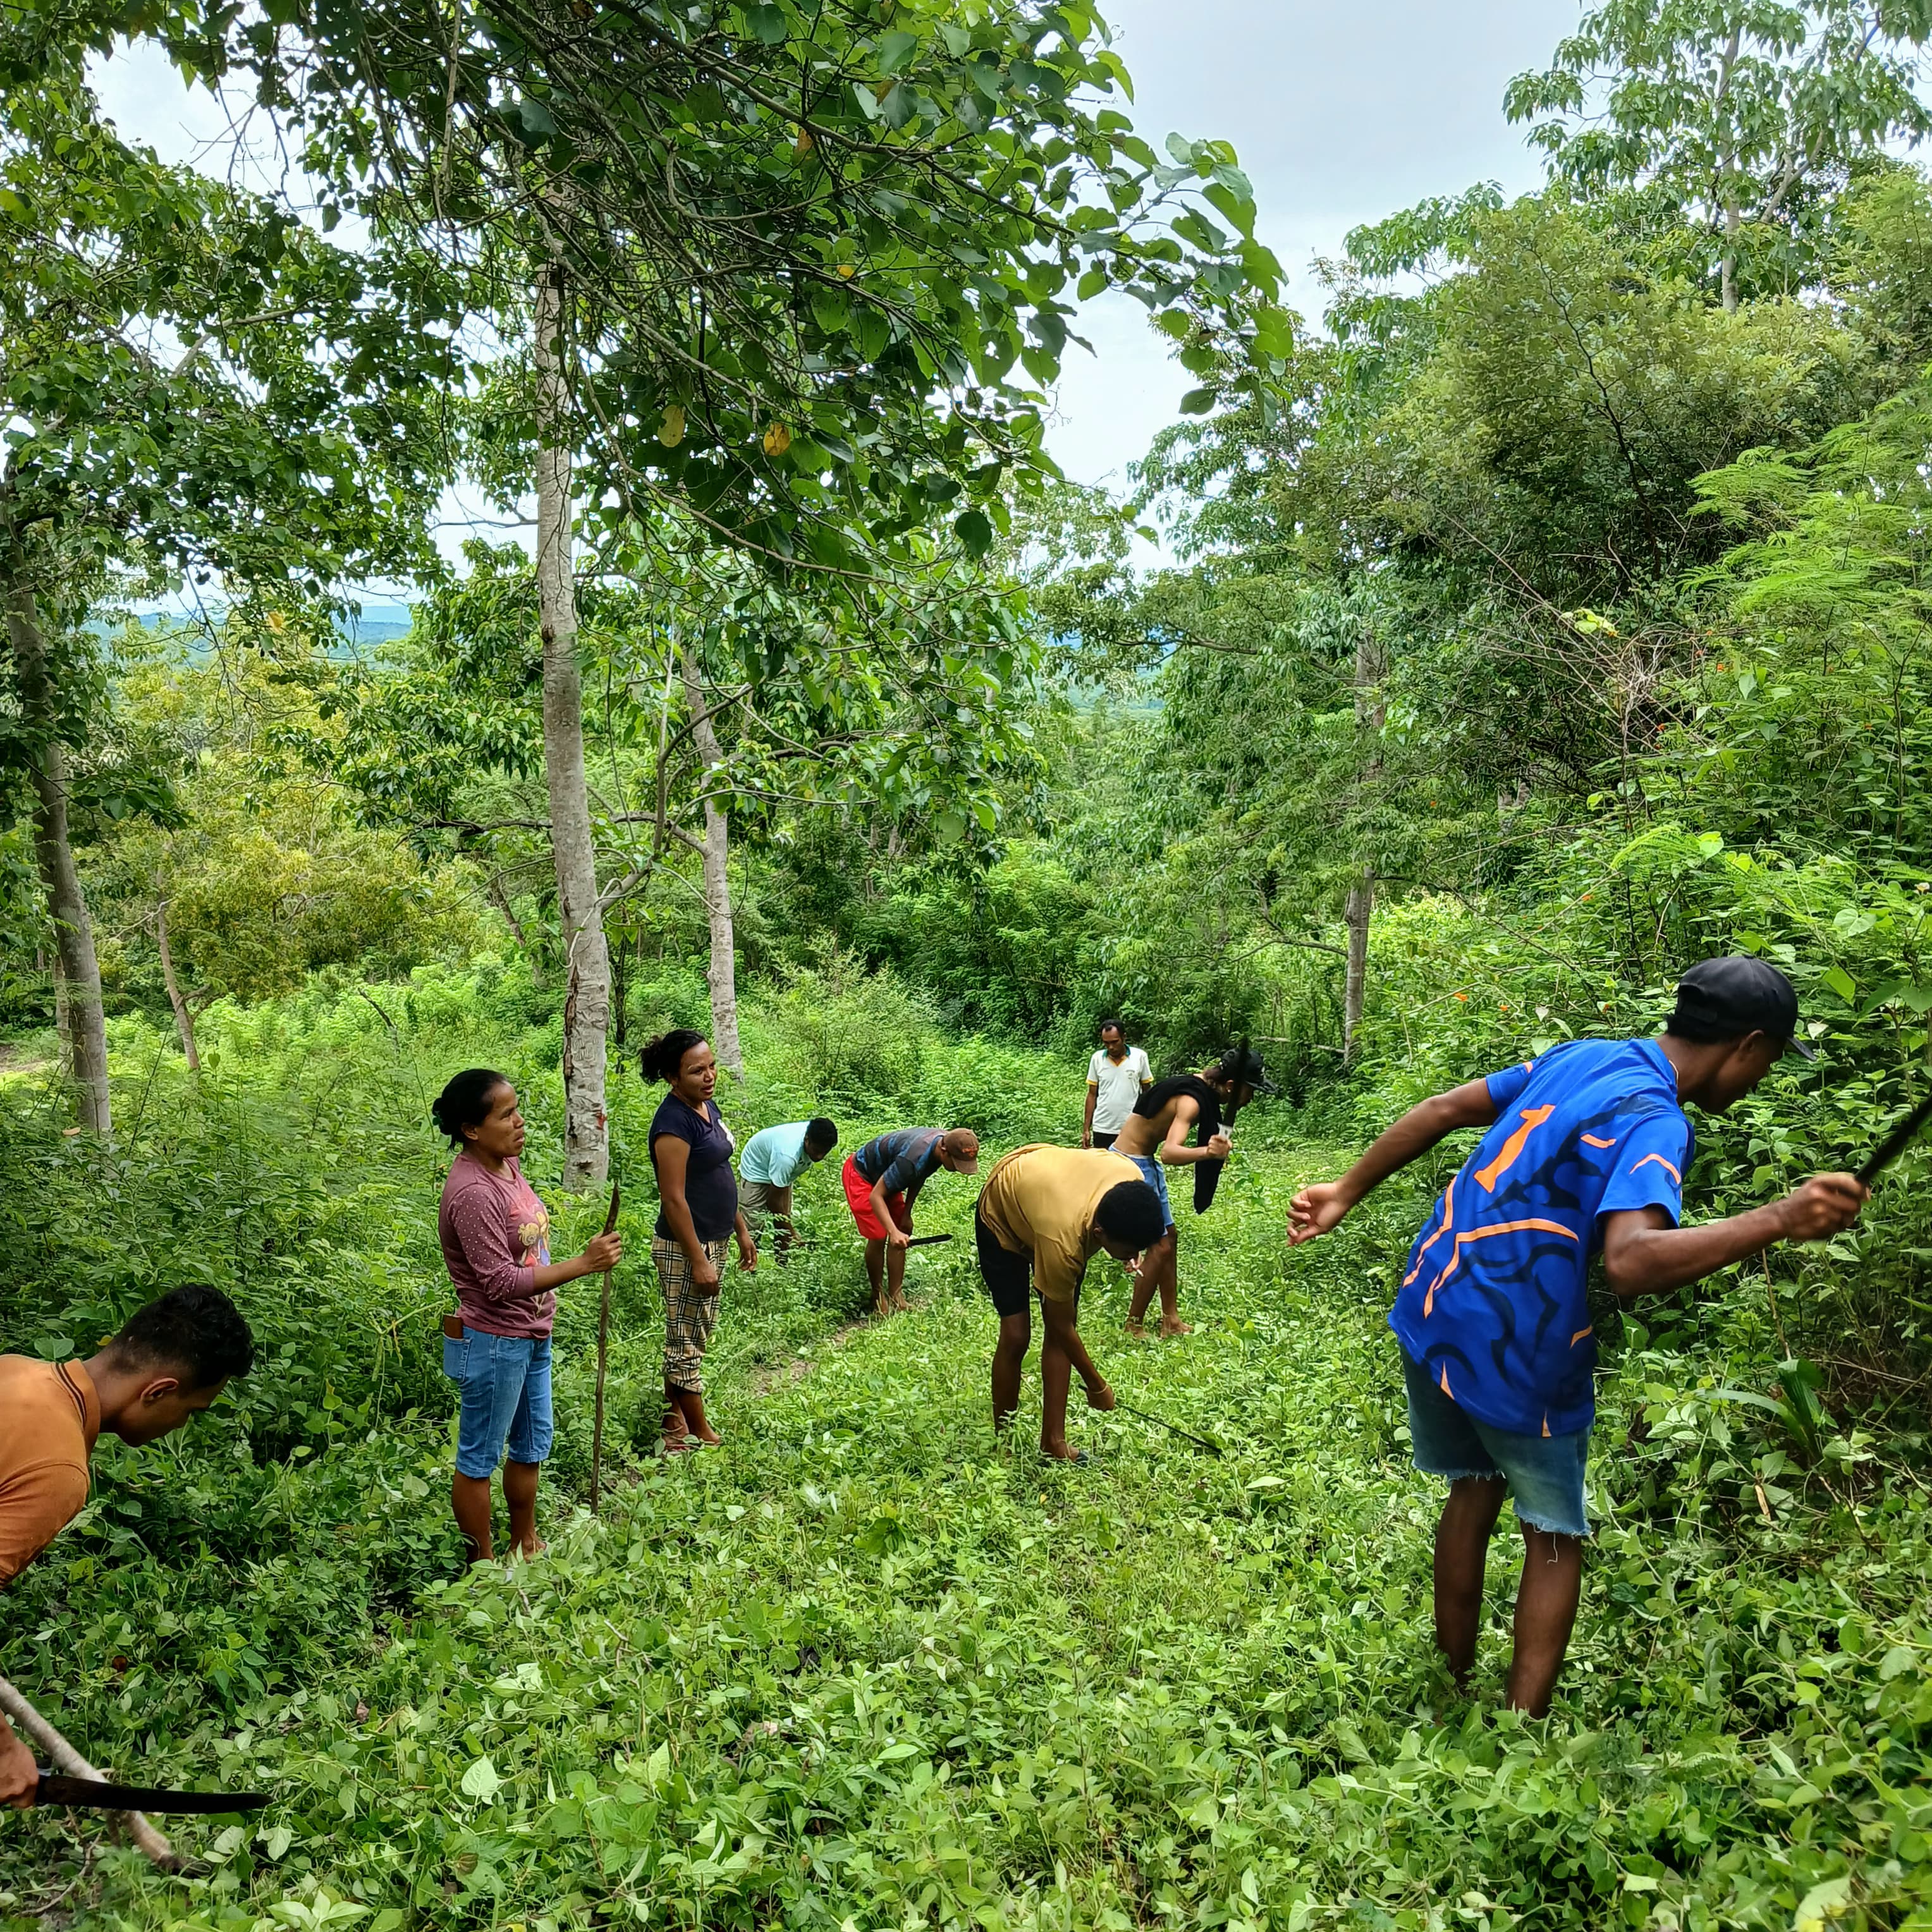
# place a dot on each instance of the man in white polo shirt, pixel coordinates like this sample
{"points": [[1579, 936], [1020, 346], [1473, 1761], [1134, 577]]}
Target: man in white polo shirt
{"points": [[1117, 1076]]}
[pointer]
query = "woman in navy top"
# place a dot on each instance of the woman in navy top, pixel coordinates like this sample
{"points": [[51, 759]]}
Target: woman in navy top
{"points": [[691, 1149]]}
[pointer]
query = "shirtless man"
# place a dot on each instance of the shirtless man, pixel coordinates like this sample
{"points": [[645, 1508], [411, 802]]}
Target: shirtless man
{"points": [[1156, 1136]]}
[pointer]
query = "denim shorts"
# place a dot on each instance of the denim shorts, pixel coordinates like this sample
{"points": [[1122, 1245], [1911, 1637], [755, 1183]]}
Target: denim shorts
{"points": [[1545, 1472], [1156, 1177], [505, 1381]]}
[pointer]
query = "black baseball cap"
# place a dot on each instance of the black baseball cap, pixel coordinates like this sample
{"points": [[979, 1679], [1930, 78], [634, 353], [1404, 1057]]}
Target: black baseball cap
{"points": [[1725, 999], [1243, 1065]]}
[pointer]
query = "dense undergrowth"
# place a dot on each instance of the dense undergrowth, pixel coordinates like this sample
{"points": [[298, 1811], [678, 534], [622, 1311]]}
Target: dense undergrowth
{"points": [[860, 1669]]}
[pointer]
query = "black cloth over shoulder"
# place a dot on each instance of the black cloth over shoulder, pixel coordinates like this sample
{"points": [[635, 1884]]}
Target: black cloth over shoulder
{"points": [[1207, 1173]]}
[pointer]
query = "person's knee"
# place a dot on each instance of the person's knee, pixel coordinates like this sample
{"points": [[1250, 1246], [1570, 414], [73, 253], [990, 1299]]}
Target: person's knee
{"points": [[1551, 1548], [1016, 1336]]}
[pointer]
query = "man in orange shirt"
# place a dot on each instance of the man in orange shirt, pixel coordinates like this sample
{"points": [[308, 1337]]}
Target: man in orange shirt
{"points": [[169, 1362]]}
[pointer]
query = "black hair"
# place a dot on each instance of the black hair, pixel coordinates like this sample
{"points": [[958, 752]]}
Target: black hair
{"points": [[193, 1327], [662, 1057], [1114, 1026], [1131, 1213], [822, 1132], [465, 1101]]}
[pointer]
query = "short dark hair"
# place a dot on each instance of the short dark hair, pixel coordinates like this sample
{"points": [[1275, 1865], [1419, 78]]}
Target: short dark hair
{"points": [[822, 1132], [1131, 1213], [192, 1327], [662, 1057], [1114, 1026], [465, 1101]]}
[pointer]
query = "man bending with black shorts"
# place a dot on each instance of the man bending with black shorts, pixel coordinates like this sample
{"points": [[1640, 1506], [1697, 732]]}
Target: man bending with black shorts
{"points": [[1043, 1214]]}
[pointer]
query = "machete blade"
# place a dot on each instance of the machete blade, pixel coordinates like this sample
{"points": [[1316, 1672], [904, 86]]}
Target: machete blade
{"points": [[97, 1794]]}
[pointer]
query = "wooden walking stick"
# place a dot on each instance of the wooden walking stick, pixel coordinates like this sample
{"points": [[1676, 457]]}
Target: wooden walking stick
{"points": [[603, 1345]]}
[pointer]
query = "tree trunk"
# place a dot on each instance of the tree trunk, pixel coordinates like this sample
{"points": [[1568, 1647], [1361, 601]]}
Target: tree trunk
{"points": [[1360, 909], [76, 965], [63, 1023], [183, 1013], [1727, 270], [1370, 713], [586, 1001], [722, 973]]}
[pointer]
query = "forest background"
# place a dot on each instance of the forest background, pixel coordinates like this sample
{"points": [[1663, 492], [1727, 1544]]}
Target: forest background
{"points": [[1547, 613]]}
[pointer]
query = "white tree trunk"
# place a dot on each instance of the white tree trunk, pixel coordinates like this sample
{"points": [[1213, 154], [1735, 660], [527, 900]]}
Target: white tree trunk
{"points": [[722, 972], [587, 1001], [77, 966], [183, 1013]]}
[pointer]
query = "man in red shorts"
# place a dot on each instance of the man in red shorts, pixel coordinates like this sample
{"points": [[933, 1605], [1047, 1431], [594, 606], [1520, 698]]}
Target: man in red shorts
{"points": [[883, 1179]]}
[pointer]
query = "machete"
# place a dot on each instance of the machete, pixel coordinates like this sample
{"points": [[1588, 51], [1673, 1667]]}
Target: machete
{"points": [[1161, 1421], [1895, 1143], [97, 1794], [927, 1241]]}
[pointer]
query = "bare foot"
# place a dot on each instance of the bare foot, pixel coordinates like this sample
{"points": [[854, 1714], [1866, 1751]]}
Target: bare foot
{"points": [[1167, 1328], [709, 1438], [1062, 1453], [1137, 1331], [529, 1551], [1101, 1397]]}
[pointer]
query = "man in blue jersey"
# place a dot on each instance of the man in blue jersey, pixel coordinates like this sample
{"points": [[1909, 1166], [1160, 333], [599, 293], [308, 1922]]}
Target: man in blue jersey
{"points": [[1586, 1149]]}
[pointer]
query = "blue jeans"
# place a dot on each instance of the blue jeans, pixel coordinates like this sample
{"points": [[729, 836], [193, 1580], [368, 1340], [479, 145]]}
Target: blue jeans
{"points": [[1155, 1175], [505, 1383], [1545, 1472]]}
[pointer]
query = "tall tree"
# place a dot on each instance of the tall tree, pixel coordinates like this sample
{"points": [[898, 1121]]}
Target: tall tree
{"points": [[195, 384], [722, 973], [1744, 116], [587, 959], [806, 245]]}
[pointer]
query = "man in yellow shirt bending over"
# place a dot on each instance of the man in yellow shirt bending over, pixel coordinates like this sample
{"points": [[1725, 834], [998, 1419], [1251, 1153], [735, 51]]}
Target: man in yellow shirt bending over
{"points": [[1046, 1212]]}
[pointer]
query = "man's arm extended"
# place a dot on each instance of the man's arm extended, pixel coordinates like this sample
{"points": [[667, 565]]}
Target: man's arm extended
{"points": [[1086, 1119], [1644, 1254], [1174, 1151], [1317, 1209]]}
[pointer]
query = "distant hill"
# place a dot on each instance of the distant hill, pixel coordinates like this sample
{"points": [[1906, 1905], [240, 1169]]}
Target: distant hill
{"points": [[377, 624]]}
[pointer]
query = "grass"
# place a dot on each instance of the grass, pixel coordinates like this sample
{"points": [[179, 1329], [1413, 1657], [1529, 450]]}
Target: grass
{"points": [[865, 1668]]}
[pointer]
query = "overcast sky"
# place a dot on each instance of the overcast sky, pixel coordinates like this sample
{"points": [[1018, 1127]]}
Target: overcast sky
{"points": [[1340, 115]]}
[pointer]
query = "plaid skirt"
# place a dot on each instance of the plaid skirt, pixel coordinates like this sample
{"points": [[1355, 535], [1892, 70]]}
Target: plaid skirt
{"points": [[689, 1317]]}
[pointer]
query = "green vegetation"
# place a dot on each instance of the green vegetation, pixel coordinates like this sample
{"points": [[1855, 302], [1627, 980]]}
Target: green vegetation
{"points": [[1549, 612], [859, 1664]]}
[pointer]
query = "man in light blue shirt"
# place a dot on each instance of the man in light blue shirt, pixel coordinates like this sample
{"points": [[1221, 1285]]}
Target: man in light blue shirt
{"points": [[771, 1161]]}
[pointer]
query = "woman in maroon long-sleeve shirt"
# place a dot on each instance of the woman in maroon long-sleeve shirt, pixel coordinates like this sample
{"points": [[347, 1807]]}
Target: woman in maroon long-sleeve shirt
{"points": [[496, 1244]]}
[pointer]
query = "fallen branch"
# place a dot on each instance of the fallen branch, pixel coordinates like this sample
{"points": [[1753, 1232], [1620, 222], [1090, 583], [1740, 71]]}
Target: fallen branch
{"points": [[63, 1757]]}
